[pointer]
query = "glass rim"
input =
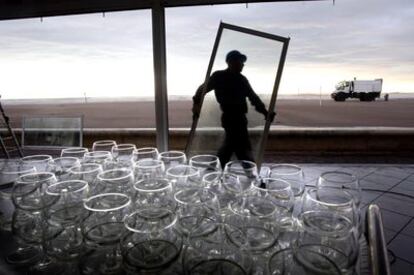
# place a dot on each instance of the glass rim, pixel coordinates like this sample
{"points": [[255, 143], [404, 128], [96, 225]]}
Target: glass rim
{"points": [[146, 150], [124, 146], [169, 185], [220, 174], [139, 163], [195, 172], [352, 177], [179, 154], [128, 174], [253, 165], [121, 206], [75, 150], [20, 180], [86, 164], [137, 212], [30, 169], [219, 260], [287, 165], [97, 153], [329, 204], [85, 186], [203, 191], [32, 158], [286, 187], [215, 159], [343, 232], [104, 142]]}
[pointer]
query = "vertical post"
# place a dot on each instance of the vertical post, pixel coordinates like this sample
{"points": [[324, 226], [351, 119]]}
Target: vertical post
{"points": [[160, 75]]}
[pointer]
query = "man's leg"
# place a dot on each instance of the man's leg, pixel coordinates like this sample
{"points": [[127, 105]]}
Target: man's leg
{"points": [[226, 149], [243, 147]]}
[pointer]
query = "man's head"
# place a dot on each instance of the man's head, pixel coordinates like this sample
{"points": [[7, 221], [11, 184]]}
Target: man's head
{"points": [[235, 60]]}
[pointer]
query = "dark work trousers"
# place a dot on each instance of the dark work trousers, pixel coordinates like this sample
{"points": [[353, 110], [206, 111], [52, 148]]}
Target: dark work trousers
{"points": [[236, 138]]}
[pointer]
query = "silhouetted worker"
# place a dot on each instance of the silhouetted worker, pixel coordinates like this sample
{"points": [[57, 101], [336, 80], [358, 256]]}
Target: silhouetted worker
{"points": [[231, 89]]}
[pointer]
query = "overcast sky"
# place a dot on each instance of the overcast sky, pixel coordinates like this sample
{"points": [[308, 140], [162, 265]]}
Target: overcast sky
{"points": [[112, 55]]}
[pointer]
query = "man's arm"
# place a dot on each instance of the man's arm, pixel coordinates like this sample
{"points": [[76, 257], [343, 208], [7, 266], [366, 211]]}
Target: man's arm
{"points": [[199, 96], [258, 103]]}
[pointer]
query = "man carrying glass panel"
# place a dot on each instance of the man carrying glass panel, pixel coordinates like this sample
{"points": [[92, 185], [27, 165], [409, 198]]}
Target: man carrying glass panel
{"points": [[231, 90]]}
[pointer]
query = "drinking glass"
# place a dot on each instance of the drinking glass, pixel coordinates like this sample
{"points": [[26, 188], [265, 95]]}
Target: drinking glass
{"points": [[102, 230], [123, 152], [330, 234], [214, 253], [281, 194], [195, 209], [256, 218], [87, 172], [31, 204], [254, 227], [149, 168], [103, 145], [290, 173], [146, 153], [205, 163], [116, 181], [184, 176], [341, 180], [98, 157], [246, 171], [152, 242], [67, 212], [172, 158], [40, 162], [154, 193], [9, 172], [29, 189], [76, 152], [332, 200], [226, 186], [61, 166], [301, 261]]}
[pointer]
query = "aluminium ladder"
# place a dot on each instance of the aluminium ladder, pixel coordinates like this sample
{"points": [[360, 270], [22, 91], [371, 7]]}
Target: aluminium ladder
{"points": [[8, 142]]}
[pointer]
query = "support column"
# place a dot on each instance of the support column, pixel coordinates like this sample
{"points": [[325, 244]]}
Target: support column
{"points": [[160, 75]]}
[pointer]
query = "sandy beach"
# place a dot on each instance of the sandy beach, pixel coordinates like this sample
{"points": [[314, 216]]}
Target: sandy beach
{"points": [[302, 112]]}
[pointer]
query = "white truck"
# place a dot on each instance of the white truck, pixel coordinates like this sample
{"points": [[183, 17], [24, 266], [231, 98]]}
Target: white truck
{"points": [[365, 90]]}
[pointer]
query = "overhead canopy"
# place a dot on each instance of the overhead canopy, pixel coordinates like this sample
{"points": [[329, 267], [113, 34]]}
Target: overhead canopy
{"points": [[17, 9]]}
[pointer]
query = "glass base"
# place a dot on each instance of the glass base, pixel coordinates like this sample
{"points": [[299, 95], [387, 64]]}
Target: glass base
{"points": [[47, 267], [24, 256]]}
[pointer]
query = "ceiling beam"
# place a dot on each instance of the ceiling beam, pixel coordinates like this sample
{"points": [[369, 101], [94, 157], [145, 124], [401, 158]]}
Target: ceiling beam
{"points": [[18, 9]]}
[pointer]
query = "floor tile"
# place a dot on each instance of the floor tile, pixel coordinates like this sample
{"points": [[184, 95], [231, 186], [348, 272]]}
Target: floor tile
{"points": [[381, 179], [395, 172], [389, 234], [396, 203], [393, 221], [401, 267], [403, 247], [369, 196], [383, 186], [409, 229]]}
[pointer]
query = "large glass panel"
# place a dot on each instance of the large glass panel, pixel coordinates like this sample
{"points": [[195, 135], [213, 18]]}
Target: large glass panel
{"points": [[260, 69], [96, 65]]}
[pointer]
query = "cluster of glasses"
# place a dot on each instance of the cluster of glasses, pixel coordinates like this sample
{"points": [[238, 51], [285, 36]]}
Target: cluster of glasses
{"points": [[121, 210]]}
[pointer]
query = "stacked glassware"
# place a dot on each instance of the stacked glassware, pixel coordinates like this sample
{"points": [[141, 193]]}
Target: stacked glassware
{"points": [[121, 210]]}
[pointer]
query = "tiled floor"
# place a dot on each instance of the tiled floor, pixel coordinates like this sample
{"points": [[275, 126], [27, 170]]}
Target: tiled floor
{"points": [[391, 187]]}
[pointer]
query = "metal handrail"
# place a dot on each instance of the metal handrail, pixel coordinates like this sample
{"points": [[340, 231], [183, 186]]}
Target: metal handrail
{"points": [[377, 245]]}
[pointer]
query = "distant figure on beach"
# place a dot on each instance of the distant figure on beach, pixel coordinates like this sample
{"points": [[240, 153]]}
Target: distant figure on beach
{"points": [[386, 97], [231, 90]]}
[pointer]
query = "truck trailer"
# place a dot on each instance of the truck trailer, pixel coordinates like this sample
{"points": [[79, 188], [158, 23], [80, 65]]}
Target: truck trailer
{"points": [[365, 90]]}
